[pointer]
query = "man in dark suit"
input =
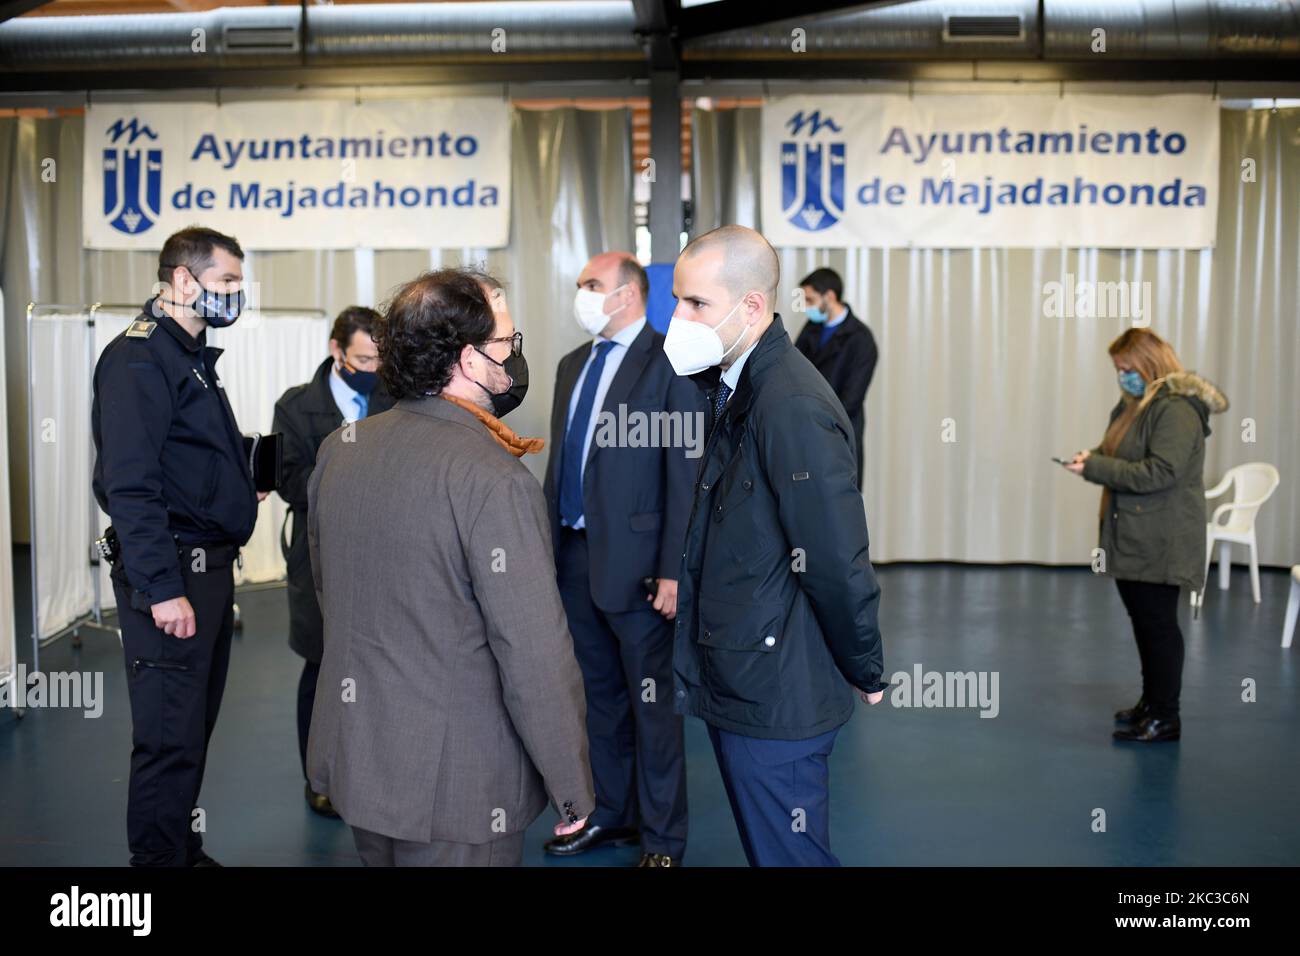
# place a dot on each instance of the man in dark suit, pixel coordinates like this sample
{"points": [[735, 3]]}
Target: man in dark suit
{"points": [[777, 607], [840, 346], [345, 388], [619, 502]]}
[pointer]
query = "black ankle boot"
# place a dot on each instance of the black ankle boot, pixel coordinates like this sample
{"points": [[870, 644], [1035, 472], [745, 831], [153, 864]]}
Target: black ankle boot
{"points": [[1151, 730]]}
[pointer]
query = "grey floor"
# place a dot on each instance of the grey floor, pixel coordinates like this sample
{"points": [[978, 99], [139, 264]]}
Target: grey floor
{"points": [[909, 786]]}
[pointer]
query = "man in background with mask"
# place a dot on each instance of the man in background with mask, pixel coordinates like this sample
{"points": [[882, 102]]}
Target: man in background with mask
{"points": [[777, 602], [455, 706], [618, 513], [840, 346], [172, 475], [345, 388]]}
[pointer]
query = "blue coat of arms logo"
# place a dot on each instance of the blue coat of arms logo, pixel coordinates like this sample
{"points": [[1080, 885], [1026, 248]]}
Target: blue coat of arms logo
{"points": [[812, 178], [132, 178]]}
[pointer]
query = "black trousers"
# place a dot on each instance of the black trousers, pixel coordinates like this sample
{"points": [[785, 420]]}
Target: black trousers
{"points": [[175, 687], [306, 701], [1153, 608], [636, 746]]}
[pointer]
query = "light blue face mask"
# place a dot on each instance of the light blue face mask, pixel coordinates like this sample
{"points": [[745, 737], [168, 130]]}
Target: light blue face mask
{"points": [[1133, 383], [815, 315]]}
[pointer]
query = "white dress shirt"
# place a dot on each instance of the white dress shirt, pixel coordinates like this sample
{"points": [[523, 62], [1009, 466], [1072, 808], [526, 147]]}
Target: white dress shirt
{"points": [[732, 375], [344, 395]]}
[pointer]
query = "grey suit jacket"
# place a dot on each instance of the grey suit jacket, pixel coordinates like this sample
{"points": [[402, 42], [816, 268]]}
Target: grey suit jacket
{"points": [[450, 704]]}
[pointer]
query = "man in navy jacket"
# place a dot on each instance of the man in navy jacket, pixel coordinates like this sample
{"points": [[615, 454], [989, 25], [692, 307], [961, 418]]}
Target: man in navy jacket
{"points": [[840, 346], [777, 631], [626, 434]]}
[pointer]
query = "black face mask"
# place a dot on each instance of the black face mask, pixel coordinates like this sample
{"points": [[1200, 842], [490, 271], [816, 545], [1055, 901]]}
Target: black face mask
{"points": [[516, 366], [217, 309], [357, 380]]}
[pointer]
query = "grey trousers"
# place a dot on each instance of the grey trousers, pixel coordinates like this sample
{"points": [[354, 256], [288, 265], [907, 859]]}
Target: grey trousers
{"points": [[376, 849]]}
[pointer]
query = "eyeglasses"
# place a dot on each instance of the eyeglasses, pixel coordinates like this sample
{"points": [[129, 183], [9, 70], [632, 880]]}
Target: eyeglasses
{"points": [[516, 342]]}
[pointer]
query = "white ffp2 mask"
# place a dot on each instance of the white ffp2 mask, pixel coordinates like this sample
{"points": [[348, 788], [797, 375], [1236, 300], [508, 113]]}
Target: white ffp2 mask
{"points": [[589, 310], [693, 346]]}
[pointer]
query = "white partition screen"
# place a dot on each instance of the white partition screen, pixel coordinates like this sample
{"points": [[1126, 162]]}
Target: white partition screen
{"points": [[59, 346], [8, 649]]}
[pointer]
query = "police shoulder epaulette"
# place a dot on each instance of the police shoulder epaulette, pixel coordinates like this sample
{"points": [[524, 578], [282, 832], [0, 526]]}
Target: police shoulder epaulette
{"points": [[140, 329]]}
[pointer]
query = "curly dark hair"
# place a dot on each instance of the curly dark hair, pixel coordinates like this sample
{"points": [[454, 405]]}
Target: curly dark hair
{"points": [[426, 325]]}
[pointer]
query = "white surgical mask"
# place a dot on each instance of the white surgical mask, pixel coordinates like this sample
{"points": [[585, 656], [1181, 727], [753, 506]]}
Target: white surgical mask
{"points": [[589, 310], [693, 346]]}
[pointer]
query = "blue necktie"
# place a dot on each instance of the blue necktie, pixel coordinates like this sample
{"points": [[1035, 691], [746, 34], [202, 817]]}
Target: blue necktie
{"points": [[362, 403], [720, 401], [571, 461]]}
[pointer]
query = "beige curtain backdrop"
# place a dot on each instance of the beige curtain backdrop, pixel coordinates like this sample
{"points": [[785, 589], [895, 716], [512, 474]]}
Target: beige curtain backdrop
{"points": [[572, 197], [964, 342]]}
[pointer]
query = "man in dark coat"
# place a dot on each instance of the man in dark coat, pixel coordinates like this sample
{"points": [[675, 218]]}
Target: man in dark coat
{"points": [[840, 346], [776, 600], [345, 388]]}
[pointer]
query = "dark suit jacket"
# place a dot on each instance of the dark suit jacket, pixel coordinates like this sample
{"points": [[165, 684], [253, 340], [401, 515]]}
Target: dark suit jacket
{"points": [[777, 606], [304, 415], [450, 703], [847, 362], [636, 500]]}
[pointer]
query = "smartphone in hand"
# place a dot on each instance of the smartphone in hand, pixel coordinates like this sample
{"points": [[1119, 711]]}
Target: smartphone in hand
{"points": [[1063, 461]]}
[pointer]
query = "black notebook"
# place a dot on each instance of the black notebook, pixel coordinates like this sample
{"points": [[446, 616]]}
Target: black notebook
{"points": [[265, 454]]}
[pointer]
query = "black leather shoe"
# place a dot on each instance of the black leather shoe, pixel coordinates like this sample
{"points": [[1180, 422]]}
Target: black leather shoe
{"points": [[657, 859], [1151, 730], [204, 860], [589, 838], [1133, 714], [321, 804]]}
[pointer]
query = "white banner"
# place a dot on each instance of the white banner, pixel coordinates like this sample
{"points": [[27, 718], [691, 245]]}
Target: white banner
{"points": [[301, 174], [980, 170]]}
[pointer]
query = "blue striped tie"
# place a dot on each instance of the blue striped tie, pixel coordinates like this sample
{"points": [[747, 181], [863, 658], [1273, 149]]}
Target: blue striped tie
{"points": [[571, 460]]}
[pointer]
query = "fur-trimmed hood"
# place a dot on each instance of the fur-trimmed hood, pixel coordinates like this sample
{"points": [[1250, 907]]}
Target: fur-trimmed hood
{"points": [[1206, 397]]}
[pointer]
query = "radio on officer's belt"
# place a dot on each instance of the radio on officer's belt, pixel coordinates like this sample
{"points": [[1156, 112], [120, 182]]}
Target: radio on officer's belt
{"points": [[265, 458]]}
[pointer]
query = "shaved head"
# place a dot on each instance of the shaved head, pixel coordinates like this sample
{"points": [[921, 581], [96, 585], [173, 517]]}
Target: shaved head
{"points": [[749, 263], [726, 279]]}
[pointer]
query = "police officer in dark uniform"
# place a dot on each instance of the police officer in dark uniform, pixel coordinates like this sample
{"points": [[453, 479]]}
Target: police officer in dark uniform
{"points": [[172, 475]]}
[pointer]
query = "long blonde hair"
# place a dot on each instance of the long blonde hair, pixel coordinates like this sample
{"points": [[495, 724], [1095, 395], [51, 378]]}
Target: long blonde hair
{"points": [[1154, 359]]}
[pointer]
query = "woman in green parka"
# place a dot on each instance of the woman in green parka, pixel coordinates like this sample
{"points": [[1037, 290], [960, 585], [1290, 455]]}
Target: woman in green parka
{"points": [[1150, 465]]}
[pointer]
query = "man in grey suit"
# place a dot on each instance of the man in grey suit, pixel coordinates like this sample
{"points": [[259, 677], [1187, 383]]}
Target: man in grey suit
{"points": [[450, 704]]}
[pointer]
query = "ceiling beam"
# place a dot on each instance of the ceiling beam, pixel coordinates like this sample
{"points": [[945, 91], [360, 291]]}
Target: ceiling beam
{"points": [[850, 68], [291, 76], [656, 29], [728, 15], [16, 8]]}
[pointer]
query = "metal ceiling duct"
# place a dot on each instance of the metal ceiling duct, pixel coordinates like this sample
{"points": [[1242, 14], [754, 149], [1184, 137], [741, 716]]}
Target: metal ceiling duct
{"points": [[1010, 29], [913, 30], [365, 34], [575, 31], [1186, 29]]}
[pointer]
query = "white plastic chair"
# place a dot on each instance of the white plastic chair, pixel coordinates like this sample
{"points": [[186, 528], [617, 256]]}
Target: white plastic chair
{"points": [[1252, 484], [1292, 607]]}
